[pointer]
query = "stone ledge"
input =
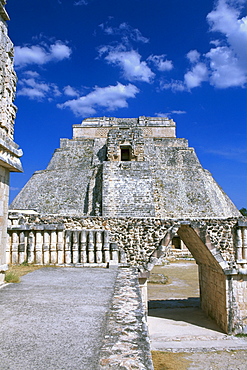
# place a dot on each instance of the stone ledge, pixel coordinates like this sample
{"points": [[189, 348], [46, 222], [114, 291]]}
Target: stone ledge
{"points": [[126, 343]]}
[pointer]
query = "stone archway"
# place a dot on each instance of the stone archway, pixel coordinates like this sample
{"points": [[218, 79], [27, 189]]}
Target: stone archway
{"points": [[222, 286], [212, 280]]}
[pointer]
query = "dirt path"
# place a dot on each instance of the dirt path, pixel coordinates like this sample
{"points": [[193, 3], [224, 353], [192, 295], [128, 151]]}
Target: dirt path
{"points": [[182, 337]]}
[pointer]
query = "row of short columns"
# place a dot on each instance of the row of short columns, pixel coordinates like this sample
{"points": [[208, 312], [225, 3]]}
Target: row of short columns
{"points": [[62, 247], [241, 245]]}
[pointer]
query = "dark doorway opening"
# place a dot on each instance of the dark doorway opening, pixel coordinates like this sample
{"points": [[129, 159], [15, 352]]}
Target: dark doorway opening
{"points": [[125, 153]]}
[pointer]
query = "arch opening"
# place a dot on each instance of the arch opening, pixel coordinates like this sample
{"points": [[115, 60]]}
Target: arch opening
{"points": [[211, 277]]}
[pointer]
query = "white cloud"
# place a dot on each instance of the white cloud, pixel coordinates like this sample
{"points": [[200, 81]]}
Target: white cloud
{"points": [[196, 76], [174, 85], [130, 63], [41, 54], [168, 114], [160, 62], [193, 56], [81, 2], [228, 62], [237, 154], [70, 91], [31, 74], [126, 32], [110, 98], [178, 112], [226, 71], [37, 90]]}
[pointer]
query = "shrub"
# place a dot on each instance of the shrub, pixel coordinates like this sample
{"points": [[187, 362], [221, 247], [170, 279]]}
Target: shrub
{"points": [[11, 277]]}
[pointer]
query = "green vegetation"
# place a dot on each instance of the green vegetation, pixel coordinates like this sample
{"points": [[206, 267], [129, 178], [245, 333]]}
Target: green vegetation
{"points": [[243, 211], [11, 277], [13, 274]]}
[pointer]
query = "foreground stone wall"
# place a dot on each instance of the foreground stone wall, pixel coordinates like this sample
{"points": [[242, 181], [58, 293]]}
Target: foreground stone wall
{"points": [[9, 152], [126, 344], [215, 244]]}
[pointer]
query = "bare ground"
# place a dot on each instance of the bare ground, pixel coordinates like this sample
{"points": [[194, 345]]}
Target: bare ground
{"points": [[182, 285]]}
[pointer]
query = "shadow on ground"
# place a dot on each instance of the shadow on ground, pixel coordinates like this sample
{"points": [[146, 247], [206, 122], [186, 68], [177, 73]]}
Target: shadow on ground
{"points": [[182, 310]]}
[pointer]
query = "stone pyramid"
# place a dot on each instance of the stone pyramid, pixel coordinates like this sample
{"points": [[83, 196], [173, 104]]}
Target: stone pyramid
{"points": [[125, 167]]}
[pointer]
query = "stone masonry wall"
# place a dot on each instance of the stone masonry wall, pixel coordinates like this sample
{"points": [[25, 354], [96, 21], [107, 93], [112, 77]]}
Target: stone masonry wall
{"points": [[126, 344], [213, 295], [139, 238], [9, 152]]}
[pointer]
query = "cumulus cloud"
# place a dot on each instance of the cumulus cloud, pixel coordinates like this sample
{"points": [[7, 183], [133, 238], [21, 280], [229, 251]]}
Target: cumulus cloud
{"points": [[174, 85], [129, 61], [126, 32], [193, 56], [196, 76], [41, 54], [160, 62], [228, 61], [110, 98], [224, 65], [70, 91], [37, 90]]}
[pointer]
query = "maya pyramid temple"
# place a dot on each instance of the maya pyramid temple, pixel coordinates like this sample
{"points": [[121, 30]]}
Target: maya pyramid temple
{"points": [[125, 167]]}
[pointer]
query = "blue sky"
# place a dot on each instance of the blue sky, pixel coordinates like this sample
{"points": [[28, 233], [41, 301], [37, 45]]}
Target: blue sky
{"points": [[129, 58]]}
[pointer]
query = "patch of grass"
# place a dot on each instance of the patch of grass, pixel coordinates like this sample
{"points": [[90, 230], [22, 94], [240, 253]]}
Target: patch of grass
{"points": [[11, 277], [16, 271], [169, 361], [241, 335]]}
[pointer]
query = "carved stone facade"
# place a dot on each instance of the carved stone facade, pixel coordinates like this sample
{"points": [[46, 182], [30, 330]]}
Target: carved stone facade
{"points": [[9, 152]]}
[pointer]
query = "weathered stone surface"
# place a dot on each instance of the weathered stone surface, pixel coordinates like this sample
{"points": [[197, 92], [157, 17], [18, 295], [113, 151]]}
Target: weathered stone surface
{"points": [[126, 344], [126, 167], [9, 152]]}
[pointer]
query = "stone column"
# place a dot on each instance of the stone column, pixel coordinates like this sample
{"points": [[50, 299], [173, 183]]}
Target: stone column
{"points": [[30, 248], [91, 247], [98, 246], [38, 247], [244, 241], [22, 248], [15, 246], [68, 247], [75, 247], [8, 249], [60, 247], [53, 247], [239, 246], [83, 257], [114, 253], [106, 247], [46, 248]]}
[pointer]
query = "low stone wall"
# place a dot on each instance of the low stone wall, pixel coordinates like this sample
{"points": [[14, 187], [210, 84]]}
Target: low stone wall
{"points": [[139, 238], [51, 244], [126, 344], [219, 247]]}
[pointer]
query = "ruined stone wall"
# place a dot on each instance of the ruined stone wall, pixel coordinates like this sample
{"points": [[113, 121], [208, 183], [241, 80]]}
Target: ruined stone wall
{"points": [[213, 295], [139, 238], [126, 344], [139, 242], [9, 152]]}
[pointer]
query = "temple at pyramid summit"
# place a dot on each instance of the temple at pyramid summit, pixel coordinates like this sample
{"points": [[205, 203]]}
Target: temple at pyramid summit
{"points": [[125, 167]]}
